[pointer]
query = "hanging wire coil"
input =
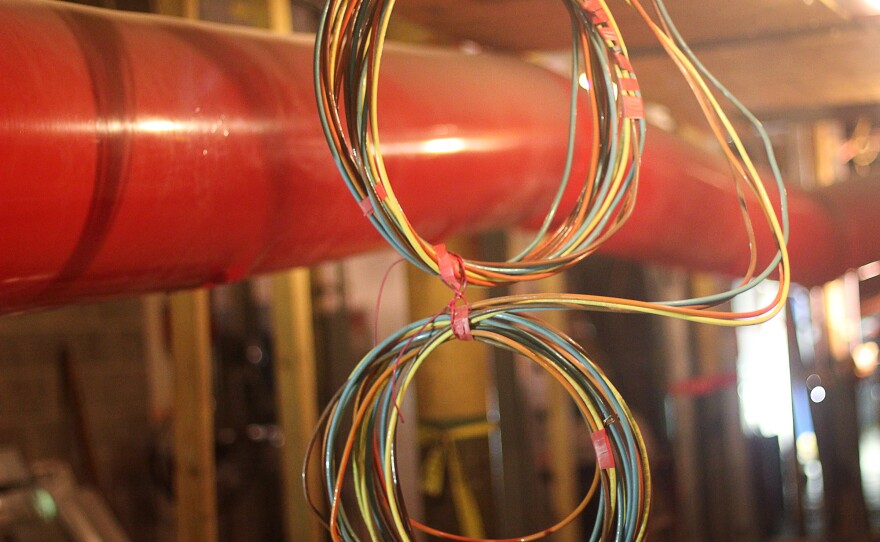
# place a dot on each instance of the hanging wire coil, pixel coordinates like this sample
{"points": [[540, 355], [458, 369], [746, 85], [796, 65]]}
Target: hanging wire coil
{"points": [[348, 57], [358, 428]]}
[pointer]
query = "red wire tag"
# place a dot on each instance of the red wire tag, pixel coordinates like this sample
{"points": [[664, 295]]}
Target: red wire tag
{"points": [[380, 192], [451, 268], [446, 264], [596, 11], [366, 206], [602, 445], [623, 62], [629, 84], [633, 107], [461, 325], [608, 33]]}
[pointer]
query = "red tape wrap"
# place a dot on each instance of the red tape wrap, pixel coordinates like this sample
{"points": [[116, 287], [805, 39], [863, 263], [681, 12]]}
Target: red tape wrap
{"points": [[602, 445], [366, 206], [451, 268], [461, 325], [380, 192]]}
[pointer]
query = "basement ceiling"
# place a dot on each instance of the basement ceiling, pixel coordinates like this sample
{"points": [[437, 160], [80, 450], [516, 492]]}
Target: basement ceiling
{"points": [[783, 58]]}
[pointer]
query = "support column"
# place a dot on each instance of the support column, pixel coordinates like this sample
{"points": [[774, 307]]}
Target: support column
{"points": [[296, 394], [195, 483]]}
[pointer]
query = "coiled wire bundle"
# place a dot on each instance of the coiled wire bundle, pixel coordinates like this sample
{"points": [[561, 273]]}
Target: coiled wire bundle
{"points": [[348, 55], [360, 426]]}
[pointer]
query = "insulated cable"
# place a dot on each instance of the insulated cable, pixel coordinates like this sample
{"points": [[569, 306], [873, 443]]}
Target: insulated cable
{"points": [[360, 427], [357, 431], [348, 56]]}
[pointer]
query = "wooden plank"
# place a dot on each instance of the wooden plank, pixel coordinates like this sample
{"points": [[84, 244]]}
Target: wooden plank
{"points": [[758, 49], [195, 483], [296, 394]]}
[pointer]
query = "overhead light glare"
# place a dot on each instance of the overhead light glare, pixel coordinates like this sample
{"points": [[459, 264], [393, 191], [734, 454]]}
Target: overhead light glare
{"points": [[865, 358], [584, 81], [873, 5]]}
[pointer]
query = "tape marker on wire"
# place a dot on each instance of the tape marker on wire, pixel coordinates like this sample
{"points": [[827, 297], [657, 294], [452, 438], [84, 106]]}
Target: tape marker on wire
{"points": [[367, 205], [608, 33], [380, 192], [446, 265], [622, 61], [629, 84], [602, 445], [461, 325], [633, 107], [458, 314], [596, 11]]}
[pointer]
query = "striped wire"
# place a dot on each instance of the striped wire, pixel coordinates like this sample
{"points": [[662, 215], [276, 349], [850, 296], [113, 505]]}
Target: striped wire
{"points": [[348, 55], [358, 428]]}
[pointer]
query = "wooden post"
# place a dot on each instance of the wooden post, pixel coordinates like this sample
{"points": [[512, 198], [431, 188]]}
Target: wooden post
{"points": [[296, 394], [192, 9], [195, 483], [453, 383], [280, 16], [157, 358]]}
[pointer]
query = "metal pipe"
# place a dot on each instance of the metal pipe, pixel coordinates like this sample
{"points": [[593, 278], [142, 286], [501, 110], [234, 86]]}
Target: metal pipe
{"points": [[141, 153]]}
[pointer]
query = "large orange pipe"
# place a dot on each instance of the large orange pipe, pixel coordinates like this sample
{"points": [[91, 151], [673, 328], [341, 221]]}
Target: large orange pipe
{"points": [[139, 153]]}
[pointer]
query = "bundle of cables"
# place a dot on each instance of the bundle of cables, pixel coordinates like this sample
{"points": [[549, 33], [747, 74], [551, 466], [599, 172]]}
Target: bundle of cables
{"points": [[348, 56], [359, 426]]}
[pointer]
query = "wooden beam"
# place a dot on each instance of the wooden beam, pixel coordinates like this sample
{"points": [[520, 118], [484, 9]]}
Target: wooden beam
{"points": [[195, 484], [296, 394]]}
